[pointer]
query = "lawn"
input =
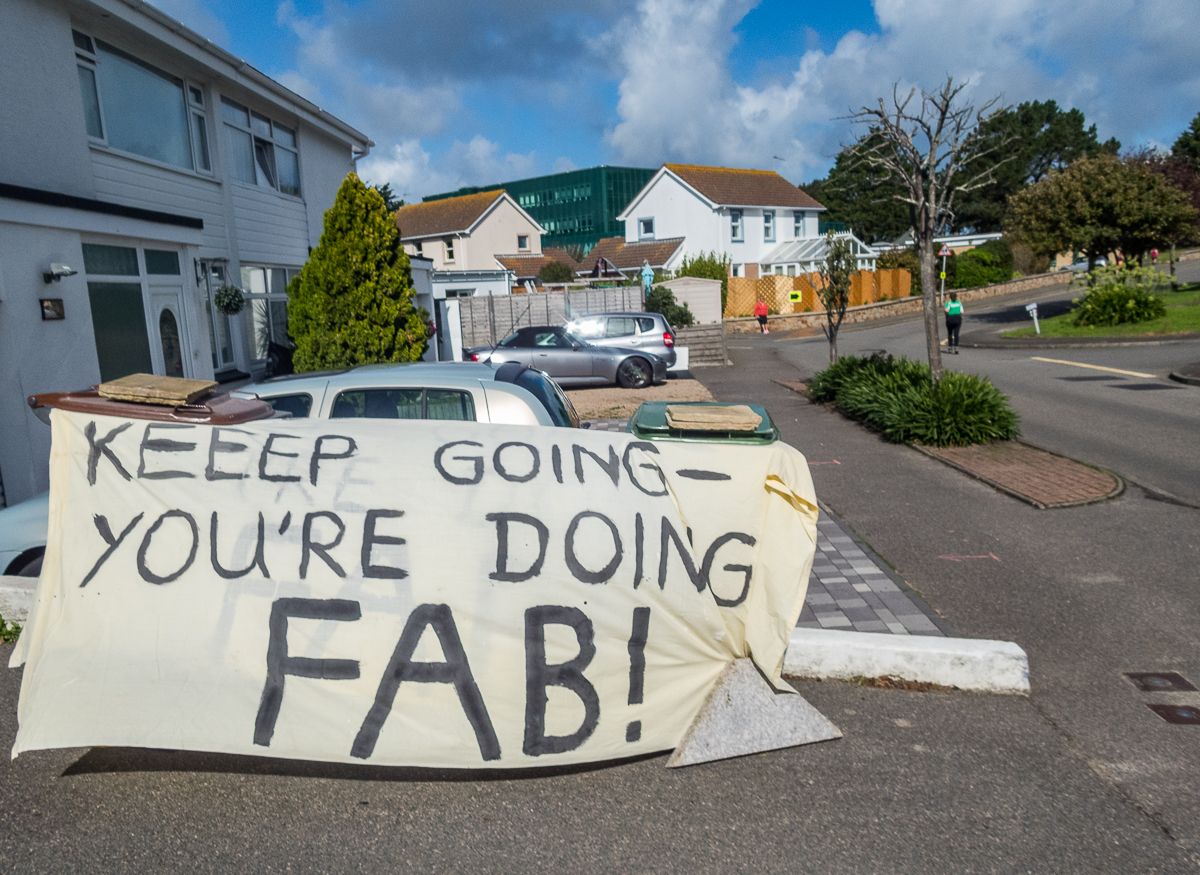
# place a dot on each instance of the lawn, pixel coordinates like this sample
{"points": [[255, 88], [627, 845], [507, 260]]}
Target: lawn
{"points": [[1183, 317]]}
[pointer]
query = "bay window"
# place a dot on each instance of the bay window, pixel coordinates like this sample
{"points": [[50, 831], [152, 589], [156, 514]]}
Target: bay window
{"points": [[262, 151]]}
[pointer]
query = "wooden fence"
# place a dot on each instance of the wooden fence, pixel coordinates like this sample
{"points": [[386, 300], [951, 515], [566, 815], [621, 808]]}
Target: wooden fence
{"points": [[866, 287]]}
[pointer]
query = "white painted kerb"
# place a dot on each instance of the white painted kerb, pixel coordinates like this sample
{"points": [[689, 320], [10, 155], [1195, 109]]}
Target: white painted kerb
{"points": [[16, 597], [966, 663]]}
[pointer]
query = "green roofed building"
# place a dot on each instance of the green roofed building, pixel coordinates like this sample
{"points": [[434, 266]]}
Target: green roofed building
{"points": [[577, 208]]}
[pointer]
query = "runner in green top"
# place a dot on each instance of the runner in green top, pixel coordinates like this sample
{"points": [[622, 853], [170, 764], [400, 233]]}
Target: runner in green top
{"points": [[954, 311]]}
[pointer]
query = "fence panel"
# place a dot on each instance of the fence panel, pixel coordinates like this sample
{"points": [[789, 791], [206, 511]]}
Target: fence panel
{"points": [[486, 320]]}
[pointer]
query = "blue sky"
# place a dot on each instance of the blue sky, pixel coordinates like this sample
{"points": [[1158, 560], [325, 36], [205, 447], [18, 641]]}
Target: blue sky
{"points": [[463, 92]]}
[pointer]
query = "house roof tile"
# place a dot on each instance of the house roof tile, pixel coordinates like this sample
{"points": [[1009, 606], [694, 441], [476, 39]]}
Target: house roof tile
{"points": [[626, 256], [727, 185], [447, 216], [527, 266]]}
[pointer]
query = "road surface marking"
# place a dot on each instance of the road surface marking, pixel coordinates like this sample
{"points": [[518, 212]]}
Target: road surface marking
{"points": [[1094, 367], [961, 558]]}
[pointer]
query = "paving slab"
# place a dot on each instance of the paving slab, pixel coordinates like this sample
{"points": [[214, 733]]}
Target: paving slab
{"points": [[1031, 474]]}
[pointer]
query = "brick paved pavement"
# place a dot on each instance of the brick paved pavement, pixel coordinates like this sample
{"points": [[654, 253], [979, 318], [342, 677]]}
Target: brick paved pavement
{"points": [[848, 589], [1041, 478]]}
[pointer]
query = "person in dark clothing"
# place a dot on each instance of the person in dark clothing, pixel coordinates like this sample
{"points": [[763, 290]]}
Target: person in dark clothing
{"points": [[954, 317]]}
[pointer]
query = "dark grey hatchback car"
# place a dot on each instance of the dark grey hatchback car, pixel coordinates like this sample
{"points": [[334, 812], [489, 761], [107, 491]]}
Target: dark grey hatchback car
{"points": [[572, 361]]}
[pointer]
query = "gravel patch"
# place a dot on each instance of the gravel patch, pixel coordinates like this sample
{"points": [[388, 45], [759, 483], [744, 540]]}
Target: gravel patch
{"points": [[612, 402]]}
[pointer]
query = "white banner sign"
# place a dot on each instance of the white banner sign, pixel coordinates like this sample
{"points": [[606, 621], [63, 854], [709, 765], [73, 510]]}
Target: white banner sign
{"points": [[403, 593]]}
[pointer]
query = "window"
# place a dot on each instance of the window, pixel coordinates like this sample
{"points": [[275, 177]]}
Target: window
{"points": [[797, 224], [791, 270], [621, 326], [262, 151], [735, 225], [418, 249], [266, 291], [645, 228], [522, 242], [735, 270], [645, 324], [459, 293], [199, 127], [768, 225], [298, 405], [449, 249], [162, 262], [440, 404]]}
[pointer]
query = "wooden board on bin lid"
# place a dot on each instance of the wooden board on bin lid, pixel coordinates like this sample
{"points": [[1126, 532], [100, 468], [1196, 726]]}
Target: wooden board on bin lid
{"points": [[731, 417], [152, 389]]}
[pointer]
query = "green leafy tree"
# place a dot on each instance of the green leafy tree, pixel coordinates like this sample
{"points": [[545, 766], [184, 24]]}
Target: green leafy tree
{"points": [[867, 200], [1100, 205], [982, 266], [662, 300], [710, 265], [556, 272], [352, 303], [390, 201], [1040, 137], [1187, 147], [1178, 171], [834, 290]]}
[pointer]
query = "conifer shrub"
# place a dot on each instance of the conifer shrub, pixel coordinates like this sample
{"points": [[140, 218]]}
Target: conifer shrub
{"points": [[896, 398], [352, 303]]}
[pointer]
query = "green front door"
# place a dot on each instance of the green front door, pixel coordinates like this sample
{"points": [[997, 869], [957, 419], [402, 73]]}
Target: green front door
{"points": [[119, 321]]}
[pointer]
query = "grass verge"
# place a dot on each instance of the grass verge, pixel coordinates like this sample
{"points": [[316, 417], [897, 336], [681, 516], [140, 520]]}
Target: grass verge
{"points": [[896, 398], [1183, 317]]}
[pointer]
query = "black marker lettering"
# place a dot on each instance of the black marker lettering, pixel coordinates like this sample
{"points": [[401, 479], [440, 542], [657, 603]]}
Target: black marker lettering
{"points": [[711, 555], [287, 521], [575, 566], [556, 462], [535, 463], [502, 521], [650, 448], [639, 549], [370, 539], [98, 447], [162, 445], [267, 451], [455, 670], [148, 575], [258, 561], [307, 545], [280, 665], [637, 654], [696, 474], [539, 677], [317, 455], [216, 445], [612, 467], [477, 460], [105, 531], [669, 536]]}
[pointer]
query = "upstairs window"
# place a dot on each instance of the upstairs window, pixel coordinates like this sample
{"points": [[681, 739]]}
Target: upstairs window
{"points": [[645, 228], [768, 225], [262, 151], [735, 225], [522, 242], [418, 249], [449, 249], [797, 224]]}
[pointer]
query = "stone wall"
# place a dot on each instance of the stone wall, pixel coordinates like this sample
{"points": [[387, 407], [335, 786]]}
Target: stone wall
{"points": [[883, 309]]}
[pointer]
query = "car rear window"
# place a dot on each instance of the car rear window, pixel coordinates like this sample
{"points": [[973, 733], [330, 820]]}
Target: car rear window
{"points": [[298, 405], [546, 391], [444, 404], [645, 324]]}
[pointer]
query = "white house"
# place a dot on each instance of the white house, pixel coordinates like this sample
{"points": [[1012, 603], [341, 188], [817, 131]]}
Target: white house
{"points": [[744, 214], [143, 167], [468, 232]]}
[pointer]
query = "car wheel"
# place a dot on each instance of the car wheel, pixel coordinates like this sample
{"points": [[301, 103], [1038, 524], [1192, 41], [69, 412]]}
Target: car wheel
{"points": [[634, 374], [28, 564]]}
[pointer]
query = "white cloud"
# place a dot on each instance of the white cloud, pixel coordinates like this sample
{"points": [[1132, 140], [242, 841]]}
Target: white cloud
{"points": [[413, 172], [1130, 66]]}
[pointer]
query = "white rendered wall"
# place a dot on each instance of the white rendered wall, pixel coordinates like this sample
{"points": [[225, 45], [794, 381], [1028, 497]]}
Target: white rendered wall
{"points": [[324, 164], [497, 235], [677, 212]]}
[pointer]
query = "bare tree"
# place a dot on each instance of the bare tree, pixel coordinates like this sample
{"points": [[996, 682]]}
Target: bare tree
{"points": [[924, 147], [834, 292]]}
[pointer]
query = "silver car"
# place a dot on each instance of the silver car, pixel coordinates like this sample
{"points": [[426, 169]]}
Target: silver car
{"points": [[645, 331], [572, 361], [513, 394]]}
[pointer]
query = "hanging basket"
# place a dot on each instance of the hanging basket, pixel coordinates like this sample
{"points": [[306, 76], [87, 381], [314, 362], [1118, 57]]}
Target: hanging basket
{"points": [[229, 300]]}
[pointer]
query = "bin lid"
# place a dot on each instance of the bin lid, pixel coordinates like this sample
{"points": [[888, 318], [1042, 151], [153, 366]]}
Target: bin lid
{"points": [[228, 409], [649, 422]]}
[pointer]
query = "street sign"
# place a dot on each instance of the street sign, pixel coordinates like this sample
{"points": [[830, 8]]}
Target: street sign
{"points": [[1032, 308], [943, 274], [944, 251]]}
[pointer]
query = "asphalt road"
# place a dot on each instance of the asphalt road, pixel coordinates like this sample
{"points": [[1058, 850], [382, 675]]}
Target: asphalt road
{"points": [[1140, 424]]}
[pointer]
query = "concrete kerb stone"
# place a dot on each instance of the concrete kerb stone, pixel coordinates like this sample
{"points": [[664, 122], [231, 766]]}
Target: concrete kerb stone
{"points": [[16, 597], [976, 665]]}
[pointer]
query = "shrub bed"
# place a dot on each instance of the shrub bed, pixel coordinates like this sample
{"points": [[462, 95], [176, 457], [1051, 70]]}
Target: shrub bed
{"points": [[896, 398]]}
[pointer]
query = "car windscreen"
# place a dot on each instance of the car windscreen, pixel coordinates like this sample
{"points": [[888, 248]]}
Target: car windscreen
{"points": [[546, 391]]}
